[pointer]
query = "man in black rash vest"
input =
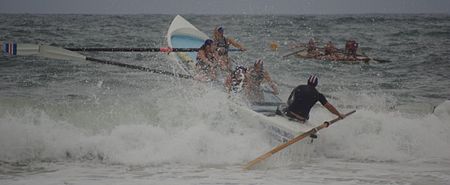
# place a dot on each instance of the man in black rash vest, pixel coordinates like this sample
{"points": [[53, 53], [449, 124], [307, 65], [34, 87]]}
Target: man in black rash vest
{"points": [[303, 98]]}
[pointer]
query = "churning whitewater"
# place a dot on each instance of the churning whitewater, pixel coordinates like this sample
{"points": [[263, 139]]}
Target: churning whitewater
{"points": [[78, 122]]}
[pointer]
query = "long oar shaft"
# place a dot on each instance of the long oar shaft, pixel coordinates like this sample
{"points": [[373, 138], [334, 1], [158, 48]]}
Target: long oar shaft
{"points": [[12, 49], [381, 60], [164, 49], [280, 147], [141, 68], [135, 49], [293, 53]]}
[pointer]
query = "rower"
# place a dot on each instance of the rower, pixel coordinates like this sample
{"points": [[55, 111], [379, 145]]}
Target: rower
{"points": [[330, 52], [254, 78], [312, 48], [330, 49], [206, 62], [302, 99], [234, 83], [223, 44], [351, 46]]}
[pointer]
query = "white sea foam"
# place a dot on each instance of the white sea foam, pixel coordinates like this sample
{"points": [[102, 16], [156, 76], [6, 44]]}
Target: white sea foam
{"points": [[388, 136], [203, 130], [200, 131]]}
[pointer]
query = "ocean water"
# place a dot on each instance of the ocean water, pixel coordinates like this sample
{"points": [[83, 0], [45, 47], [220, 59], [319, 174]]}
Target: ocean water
{"points": [[78, 122]]}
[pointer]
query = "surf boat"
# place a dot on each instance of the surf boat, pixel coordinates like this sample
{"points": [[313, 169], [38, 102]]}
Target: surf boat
{"points": [[182, 34], [339, 57]]}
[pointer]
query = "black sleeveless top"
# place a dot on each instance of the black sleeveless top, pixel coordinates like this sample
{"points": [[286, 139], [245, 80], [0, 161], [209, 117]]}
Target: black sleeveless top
{"points": [[303, 98]]}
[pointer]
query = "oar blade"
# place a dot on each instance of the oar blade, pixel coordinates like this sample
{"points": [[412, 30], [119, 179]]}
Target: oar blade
{"points": [[14, 49], [27, 49]]}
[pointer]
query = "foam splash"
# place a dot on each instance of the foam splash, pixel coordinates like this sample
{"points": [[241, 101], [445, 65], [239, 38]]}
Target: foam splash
{"points": [[197, 131], [389, 136], [199, 128]]}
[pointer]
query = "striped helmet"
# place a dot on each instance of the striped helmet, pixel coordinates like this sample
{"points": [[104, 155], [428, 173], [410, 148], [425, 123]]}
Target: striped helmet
{"points": [[259, 61], [313, 80], [220, 29], [239, 70]]}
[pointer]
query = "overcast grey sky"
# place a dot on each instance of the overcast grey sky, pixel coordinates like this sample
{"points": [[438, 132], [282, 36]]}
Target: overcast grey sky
{"points": [[224, 6]]}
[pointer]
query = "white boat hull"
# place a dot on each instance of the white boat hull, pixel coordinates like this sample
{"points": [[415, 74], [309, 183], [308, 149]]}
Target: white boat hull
{"points": [[182, 34]]}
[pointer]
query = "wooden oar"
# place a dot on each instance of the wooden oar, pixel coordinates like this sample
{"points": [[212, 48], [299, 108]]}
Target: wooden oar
{"points": [[380, 60], [64, 54], [364, 55], [376, 59], [280, 147], [164, 49], [293, 53]]}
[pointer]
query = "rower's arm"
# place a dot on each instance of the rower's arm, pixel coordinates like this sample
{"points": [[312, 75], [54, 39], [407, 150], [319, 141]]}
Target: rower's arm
{"points": [[228, 83], [202, 56], [236, 44], [333, 110], [271, 83]]}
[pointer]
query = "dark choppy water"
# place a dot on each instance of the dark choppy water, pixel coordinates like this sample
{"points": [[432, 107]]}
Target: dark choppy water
{"points": [[56, 116], [417, 45]]}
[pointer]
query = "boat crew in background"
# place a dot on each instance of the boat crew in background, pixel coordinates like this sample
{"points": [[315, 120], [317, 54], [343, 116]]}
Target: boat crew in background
{"points": [[222, 44], [303, 98], [330, 51], [312, 48], [206, 62], [351, 46], [330, 48], [255, 76]]}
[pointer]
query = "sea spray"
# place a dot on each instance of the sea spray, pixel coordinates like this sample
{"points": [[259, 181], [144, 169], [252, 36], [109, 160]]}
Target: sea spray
{"points": [[387, 136], [198, 131]]}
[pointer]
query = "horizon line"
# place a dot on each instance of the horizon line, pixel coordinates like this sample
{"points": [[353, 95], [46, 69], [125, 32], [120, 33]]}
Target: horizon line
{"points": [[278, 14]]}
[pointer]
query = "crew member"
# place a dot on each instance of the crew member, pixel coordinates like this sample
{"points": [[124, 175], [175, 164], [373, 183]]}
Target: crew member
{"points": [[303, 98], [330, 52], [206, 62], [312, 48], [222, 44], [351, 46], [234, 83], [330, 49], [254, 78]]}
